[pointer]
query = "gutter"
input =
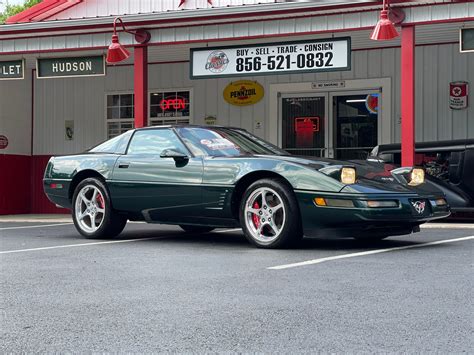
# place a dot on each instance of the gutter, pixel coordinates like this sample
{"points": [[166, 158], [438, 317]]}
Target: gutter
{"points": [[270, 10]]}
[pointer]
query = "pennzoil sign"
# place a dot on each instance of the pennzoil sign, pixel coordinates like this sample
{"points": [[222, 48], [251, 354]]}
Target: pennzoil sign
{"points": [[243, 93]]}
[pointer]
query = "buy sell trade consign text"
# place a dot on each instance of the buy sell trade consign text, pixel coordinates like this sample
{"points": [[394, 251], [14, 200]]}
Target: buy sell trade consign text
{"points": [[276, 58]]}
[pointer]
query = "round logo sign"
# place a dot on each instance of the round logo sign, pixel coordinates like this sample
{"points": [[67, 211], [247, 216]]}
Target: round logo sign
{"points": [[372, 103], [217, 62], [3, 142], [243, 93]]}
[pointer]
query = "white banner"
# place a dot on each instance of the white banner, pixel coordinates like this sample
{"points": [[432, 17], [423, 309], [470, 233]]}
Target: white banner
{"points": [[275, 58]]}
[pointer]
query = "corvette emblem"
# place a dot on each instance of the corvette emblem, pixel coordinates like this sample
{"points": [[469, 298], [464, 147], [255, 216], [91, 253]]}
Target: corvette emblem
{"points": [[419, 206]]}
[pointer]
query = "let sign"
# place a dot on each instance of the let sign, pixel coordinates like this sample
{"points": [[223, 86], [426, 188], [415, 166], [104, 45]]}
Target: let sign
{"points": [[276, 58], [13, 69]]}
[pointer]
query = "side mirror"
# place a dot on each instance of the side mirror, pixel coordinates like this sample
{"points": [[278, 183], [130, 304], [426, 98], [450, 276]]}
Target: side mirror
{"points": [[175, 154]]}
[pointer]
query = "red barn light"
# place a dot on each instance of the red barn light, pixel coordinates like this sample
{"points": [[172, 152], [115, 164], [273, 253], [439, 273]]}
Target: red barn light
{"points": [[117, 52], [385, 29]]}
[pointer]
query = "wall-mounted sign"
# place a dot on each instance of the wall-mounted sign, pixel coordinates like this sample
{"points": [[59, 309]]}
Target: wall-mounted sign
{"points": [[328, 84], [3, 142], [466, 40], [70, 67], [275, 58], [458, 95], [243, 93], [12, 69], [69, 130], [210, 120]]}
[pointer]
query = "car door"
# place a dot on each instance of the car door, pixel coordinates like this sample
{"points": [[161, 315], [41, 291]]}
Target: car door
{"points": [[159, 187]]}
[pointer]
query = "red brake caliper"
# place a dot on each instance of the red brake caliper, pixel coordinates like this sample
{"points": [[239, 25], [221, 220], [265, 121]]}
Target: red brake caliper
{"points": [[255, 217], [100, 200]]}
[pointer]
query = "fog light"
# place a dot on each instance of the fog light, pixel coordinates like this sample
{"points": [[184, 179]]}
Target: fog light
{"points": [[348, 176], [320, 201], [441, 202], [382, 204], [333, 202], [417, 177]]}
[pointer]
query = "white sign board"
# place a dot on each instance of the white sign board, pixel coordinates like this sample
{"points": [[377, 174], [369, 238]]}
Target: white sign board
{"points": [[274, 58]]}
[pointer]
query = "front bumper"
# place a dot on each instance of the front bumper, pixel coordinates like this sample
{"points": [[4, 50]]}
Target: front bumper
{"points": [[360, 220]]}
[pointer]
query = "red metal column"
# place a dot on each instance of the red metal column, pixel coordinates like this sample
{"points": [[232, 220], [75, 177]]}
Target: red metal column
{"points": [[141, 85], [408, 95]]}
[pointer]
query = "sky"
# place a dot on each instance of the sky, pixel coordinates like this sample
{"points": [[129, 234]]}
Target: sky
{"points": [[11, 2]]}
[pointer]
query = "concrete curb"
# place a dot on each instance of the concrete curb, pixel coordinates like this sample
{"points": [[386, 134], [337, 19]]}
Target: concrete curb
{"points": [[47, 218]]}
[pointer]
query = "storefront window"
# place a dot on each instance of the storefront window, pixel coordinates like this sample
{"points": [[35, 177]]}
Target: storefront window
{"points": [[170, 107], [120, 114]]}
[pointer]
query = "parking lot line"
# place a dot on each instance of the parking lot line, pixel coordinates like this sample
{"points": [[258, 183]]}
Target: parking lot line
{"points": [[96, 243], [35, 226], [364, 253], [81, 245]]}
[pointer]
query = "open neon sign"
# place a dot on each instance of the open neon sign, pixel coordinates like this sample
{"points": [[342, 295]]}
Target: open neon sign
{"points": [[174, 103]]}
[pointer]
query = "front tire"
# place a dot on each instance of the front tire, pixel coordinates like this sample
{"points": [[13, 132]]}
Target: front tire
{"points": [[269, 214], [92, 211]]}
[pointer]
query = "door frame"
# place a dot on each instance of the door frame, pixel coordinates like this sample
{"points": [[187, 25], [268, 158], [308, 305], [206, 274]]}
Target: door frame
{"points": [[384, 85], [331, 143], [325, 95]]}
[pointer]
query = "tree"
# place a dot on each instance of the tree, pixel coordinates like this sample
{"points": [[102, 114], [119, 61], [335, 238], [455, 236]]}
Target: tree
{"points": [[11, 10]]}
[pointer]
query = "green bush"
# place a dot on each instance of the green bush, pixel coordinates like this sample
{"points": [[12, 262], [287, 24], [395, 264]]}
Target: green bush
{"points": [[11, 10]]}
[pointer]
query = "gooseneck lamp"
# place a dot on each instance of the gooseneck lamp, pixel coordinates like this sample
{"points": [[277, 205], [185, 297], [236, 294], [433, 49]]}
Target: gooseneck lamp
{"points": [[385, 29], [117, 52]]}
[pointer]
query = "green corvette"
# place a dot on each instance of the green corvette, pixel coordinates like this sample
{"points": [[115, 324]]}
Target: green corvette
{"points": [[202, 178]]}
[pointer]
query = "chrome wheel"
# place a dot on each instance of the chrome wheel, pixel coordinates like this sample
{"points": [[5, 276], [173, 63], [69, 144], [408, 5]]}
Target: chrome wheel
{"points": [[265, 214], [90, 208]]}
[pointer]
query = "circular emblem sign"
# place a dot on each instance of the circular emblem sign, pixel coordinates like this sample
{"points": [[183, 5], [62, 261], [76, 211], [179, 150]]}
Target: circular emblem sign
{"points": [[217, 62], [3, 142], [372, 103], [243, 93]]}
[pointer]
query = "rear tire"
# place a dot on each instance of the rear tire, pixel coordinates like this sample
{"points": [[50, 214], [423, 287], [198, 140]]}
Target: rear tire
{"points": [[92, 211], [269, 214], [196, 229]]}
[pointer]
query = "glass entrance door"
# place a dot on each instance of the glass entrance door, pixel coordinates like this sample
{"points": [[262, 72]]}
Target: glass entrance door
{"points": [[304, 122], [355, 117]]}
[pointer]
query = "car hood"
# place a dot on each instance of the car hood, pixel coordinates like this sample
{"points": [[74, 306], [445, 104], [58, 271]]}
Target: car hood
{"points": [[372, 177]]}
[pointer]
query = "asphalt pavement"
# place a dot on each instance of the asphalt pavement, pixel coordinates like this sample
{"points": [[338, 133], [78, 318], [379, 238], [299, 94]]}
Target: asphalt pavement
{"points": [[158, 289]]}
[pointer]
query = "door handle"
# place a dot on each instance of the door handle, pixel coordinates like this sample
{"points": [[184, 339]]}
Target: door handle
{"points": [[124, 165]]}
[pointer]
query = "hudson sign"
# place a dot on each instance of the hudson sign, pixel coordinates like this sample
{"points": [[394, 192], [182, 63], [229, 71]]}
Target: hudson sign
{"points": [[274, 58], [70, 67]]}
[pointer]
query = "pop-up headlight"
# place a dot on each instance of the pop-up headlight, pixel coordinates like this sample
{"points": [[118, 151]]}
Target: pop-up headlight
{"points": [[348, 175], [417, 177]]}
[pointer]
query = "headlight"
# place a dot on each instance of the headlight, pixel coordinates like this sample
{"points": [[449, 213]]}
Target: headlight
{"points": [[417, 177], [348, 176], [441, 202]]}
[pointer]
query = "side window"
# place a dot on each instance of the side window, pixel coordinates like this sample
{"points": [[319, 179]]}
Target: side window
{"points": [[154, 141]]}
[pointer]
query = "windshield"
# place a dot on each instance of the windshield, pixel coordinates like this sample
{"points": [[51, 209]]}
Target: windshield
{"points": [[219, 142]]}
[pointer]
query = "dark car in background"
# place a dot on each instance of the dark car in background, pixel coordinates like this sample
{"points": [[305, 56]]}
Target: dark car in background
{"points": [[449, 166]]}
